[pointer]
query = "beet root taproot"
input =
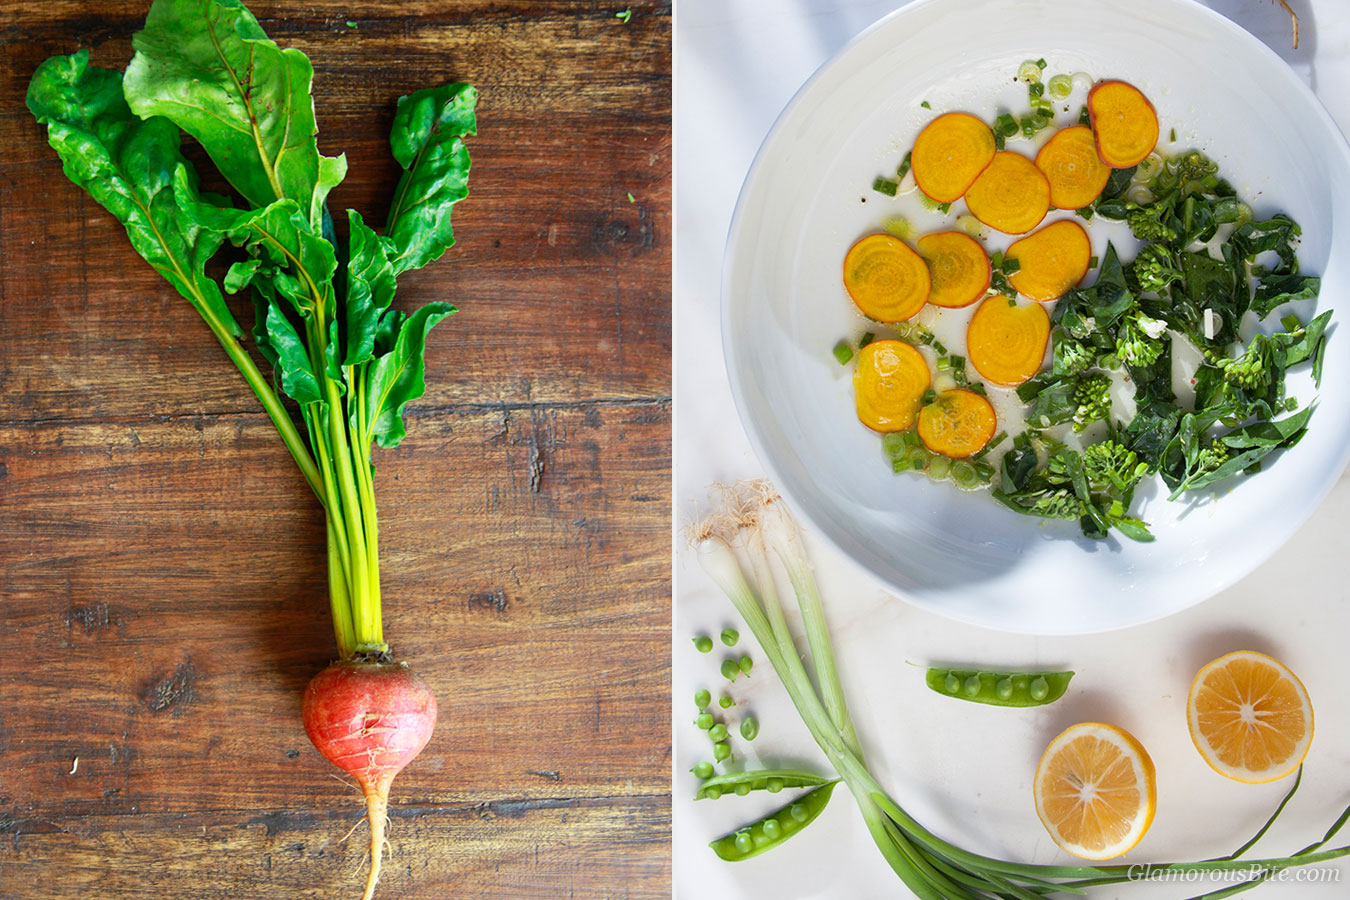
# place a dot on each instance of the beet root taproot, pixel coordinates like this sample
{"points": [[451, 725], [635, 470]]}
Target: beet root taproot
{"points": [[370, 719]]}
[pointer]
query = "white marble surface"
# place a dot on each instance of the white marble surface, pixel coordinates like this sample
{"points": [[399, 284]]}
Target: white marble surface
{"points": [[963, 770]]}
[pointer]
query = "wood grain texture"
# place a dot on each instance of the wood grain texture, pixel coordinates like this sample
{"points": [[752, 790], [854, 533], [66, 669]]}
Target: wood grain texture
{"points": [[162, 597]]}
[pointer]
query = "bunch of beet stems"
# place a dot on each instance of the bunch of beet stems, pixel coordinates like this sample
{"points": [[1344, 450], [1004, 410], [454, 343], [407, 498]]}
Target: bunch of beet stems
{"points": [[324, 319], [754, 522]]}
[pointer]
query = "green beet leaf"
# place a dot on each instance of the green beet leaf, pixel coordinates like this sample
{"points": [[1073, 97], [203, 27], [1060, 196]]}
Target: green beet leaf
{"points": [[370, 289], [397, 377], [208, 66], [128, 164], [427, 140]]}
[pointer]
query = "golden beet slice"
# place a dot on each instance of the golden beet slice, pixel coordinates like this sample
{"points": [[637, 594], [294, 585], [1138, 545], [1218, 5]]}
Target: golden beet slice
{"points": [[948, 155], [958, 268], [886, 279], [957, 424], [1011, 194], [1052, 260], [888, 385], [1124, 123], [1006, 341], [1076, 174]]}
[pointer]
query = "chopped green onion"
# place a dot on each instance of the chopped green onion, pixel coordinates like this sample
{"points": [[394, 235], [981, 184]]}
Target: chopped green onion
{"points": [[842, 354], [925, 105], [1092, 263], [1060, 86], [944, 207], [1084, 117], [996, 259], [985, 471], [994, 442], [939, 467], [1029, 72], [1036, 89], [1174, 136], [1290, 322], [885, 186], [867, 338], [977, 387], [958, 362], [964, 475], [903, 170], [928, 397], [943, 363], [1040, 63], [1029, 128], [938, 346]]}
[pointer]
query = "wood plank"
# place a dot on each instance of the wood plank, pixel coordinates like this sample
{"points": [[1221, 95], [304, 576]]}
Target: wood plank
{"points": [[163, 586], [562, 282], [525, 851]]}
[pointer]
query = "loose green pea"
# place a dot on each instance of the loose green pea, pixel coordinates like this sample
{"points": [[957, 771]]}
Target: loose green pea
{"points": [[730, 636], [746, 664], [742, 790], [702, 698], [772, 830], [704, 721], [703, 770], [717, 733], [749, 728], [703, 643], [730, 670], [1017, 689], [725, 701], [721, 751]]}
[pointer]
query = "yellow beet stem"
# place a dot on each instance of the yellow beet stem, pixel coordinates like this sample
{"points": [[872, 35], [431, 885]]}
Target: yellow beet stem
{"points": [[958, 268], [1076, 174], [1011, 194], [1124, 123], [1052, 260], [948, 155], [377, 814], [887, 280]]}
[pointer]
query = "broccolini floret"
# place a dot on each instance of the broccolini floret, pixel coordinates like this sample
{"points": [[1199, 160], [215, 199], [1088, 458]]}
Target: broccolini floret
{"points": [[1110, 464], [1155, 268], [1071, 356], [1092, 396], [1140, 339], [1146, 224], [1253, 370]]}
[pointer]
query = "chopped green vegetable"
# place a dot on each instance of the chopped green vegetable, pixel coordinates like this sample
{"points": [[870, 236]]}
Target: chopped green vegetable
{"points": [[624, 16], [926, 105], [885, 186], [843, 354]]}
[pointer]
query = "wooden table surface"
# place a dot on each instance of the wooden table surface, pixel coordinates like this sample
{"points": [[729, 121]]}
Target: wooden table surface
{"points": [[162, 588]]}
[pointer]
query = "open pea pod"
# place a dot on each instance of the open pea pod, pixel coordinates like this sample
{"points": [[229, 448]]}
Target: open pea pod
{"points": [[775, 828], [1017, 689], [742, 783]]}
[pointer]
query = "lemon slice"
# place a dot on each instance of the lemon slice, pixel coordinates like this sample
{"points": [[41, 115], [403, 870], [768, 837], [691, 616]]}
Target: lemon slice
{"points": [[1250, 717], [1095, 790]]}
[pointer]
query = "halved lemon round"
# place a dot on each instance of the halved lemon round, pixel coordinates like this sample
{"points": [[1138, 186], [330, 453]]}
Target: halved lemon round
{"points": [[1250, 717], [1095, 790]]}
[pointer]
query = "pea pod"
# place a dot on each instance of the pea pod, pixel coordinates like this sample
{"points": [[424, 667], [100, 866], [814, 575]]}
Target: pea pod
{"points": [[1018, 689], [771, 780], [774, 828]]}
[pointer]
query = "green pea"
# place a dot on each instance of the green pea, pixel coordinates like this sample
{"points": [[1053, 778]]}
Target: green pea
{"points": [[712, 793], [717, 733], [703, 643], [1017, 689], [725, 701], [702, 698], [773, 785], [704, 721], [703, 770], [749, 728], [746, 664], [730, 636], [721, 750], [743, 842], [798, 812], [730, 670], [772, 830], [742, 789]]}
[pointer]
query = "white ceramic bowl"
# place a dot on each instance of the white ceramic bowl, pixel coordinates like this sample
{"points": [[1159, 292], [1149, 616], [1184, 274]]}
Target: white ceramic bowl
{"points": [[784, 306]]}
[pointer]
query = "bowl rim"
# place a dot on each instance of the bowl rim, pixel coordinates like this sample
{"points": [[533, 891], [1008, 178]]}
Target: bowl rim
{"points": [[731, 351]]}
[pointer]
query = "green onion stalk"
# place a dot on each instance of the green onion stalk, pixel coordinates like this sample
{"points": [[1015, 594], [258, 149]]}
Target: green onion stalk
{"points": [[930, 866]]}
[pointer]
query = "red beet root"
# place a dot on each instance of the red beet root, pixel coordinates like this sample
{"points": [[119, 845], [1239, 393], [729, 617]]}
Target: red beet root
{"points": [[370, 719]]}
